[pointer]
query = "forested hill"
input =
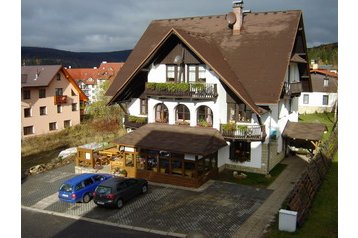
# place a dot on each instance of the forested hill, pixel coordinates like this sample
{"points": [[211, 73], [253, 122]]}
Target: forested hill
{"points": [[325, 54], [48, 56]]}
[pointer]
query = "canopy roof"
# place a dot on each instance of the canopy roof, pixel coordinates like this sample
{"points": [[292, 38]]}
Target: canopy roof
{"points": [[304, 131], [172, 138]]}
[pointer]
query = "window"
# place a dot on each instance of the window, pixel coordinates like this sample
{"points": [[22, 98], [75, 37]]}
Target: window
{"points": [[239, 112], [27, 112], [52, 126], [325, 82], [67, 123], [196, 73], [172, 72], [42, 93], [182, 113], [143, 106], [306, 99], [161, 113], [58, 92], [26, 94], [74, 107], [205, 116], [59, 108], [240, 151], [325, 100], [58, 76], [43, 110], [73, 93], [28, 130]]}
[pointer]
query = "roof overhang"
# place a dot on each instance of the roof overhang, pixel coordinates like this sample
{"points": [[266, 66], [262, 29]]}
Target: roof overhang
{"points": [[304, 131], [175, 139]]}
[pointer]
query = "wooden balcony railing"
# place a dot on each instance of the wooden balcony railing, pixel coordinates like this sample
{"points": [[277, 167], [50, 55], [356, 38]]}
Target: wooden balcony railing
{"points": [[293, 89], [244, 132], [58, 100], [182, 90]]}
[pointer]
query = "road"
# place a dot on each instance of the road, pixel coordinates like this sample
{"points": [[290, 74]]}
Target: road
{"points": [[42, 225]]}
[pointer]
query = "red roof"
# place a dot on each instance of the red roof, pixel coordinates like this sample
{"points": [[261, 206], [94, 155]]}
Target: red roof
{"points": [[324, 72]]}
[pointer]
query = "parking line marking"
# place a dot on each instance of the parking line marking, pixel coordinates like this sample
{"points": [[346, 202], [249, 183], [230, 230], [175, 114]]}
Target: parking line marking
{"points": [[75, 217], [47, 201]]}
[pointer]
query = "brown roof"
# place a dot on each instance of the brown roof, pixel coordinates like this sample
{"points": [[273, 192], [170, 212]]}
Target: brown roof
{"points": [[45, 74], [177, 139], [317, 80], [253, 64], [304, 131]]}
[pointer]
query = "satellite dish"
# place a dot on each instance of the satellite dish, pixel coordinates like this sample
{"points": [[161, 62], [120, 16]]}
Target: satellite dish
{"points": [[178, 59], [231, 18]]}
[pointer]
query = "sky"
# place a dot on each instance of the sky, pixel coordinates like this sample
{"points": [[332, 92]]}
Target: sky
{"points": [[112, 25]]}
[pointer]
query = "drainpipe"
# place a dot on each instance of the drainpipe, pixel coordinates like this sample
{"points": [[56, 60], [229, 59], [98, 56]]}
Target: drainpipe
{"points": [[269, 149]]}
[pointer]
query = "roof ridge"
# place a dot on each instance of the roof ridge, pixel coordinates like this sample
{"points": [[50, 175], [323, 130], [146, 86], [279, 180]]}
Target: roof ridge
{"points": [[190, 18]]}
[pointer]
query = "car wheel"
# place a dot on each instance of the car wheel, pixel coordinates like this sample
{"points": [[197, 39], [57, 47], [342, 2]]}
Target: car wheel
{"points": [[119, 203], [86, 198], [144, 189]]}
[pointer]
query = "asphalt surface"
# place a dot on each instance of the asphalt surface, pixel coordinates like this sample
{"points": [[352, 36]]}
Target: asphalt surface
{"points": [[219, 209]]}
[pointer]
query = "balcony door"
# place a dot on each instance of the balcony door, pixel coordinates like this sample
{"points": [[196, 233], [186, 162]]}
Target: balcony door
{"points": [[161, 113]]}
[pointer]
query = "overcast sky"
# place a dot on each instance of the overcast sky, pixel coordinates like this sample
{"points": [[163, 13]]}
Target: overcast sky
{"points": [[112, 25]]}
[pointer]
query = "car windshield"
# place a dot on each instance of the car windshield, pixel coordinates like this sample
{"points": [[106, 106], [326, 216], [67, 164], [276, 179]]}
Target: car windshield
{"points": [[103, 190], [66, 188]]}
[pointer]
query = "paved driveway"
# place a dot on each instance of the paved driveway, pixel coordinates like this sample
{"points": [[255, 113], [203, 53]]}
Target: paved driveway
{"points": [[219, 209]]}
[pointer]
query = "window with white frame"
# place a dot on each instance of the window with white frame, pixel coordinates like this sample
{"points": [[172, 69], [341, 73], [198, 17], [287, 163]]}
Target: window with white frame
{"points": [[28, 130], [325, 82], [43, 110], [59, 108], [196, 73], [53, 126], [306, 99], [27, 112]]}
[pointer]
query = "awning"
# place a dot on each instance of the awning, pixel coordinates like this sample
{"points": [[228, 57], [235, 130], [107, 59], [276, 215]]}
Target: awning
{"points": [[176, 139], [304, 131]]}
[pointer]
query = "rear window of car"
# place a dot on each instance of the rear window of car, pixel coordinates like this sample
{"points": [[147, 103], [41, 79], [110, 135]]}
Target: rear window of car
{"points": [[66, 188], [103, 190]]}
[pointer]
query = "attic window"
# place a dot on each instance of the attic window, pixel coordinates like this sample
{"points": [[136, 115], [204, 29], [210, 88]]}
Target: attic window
{"points": [[73, 93], [325, 82], [58, 77]]}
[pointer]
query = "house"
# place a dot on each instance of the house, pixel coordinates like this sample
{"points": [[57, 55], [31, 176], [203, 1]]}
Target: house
{"points": [[50, 100], [324, 96], [91, 79], [212, 92]]}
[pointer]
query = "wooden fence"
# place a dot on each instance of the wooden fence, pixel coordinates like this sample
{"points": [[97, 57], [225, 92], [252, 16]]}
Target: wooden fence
{"points": [[301, 197]]}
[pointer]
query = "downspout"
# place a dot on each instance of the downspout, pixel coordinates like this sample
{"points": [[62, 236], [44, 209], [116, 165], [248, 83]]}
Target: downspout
{"points": [[269, 149]]}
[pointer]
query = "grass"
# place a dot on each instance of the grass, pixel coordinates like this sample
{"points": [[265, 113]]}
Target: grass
{"points": [[252, 179], [43, 149]]}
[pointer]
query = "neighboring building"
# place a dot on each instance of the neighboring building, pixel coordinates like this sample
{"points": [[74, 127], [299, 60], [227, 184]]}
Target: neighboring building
{"points": [[324, 96], [216, 92], [50, 100], [91, 79]]}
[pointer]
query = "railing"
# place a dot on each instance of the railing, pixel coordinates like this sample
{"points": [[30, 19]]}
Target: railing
{"points": [[60, 99], [134, 122], [244, 132], [183, 90], [293, 89]]}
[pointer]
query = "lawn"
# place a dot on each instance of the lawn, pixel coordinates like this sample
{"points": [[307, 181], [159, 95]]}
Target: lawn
{"points": [[252, 179]]}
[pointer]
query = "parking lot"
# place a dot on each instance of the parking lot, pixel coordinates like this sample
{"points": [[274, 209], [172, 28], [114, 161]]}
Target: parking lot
{"points": [[219, 208]]}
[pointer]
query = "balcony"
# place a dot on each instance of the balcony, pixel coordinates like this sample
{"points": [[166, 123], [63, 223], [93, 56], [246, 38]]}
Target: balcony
{"points": [[58, 100], [243, 132], [182, 90], [293, 89], [134, 121]]}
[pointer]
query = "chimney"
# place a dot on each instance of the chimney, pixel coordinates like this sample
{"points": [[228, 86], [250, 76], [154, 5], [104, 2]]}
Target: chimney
{"points": [[237, 10]]}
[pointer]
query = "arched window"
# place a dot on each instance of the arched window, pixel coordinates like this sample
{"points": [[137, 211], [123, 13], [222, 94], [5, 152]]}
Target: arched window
{"points": [[205, 116], [161, 113], [182, 114]]}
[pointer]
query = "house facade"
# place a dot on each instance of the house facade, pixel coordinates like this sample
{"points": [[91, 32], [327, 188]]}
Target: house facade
{"points": [[324, 95], [50, 100], [238, 76]]}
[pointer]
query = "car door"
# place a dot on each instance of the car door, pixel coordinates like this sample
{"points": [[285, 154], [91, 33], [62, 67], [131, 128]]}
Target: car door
{"points": [[123, 191], [133, 187]]}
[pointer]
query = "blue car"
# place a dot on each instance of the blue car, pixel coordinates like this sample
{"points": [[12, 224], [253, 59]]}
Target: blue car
{"points": [[81, 187]]}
